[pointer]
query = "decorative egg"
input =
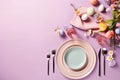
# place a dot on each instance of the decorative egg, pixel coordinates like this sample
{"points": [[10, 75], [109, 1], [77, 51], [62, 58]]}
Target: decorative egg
{"points": [[101, 8], [90, 11], [118, 5], [108, 2], [94, 2], [62, 33], [112, 63], [108, 9], [102, 26], [84, 17], [117, 31], [109, 34], [95, 16], [118, 10]]}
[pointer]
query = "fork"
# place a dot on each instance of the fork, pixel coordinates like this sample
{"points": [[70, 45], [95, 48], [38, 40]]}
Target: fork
{"points": [[48, 64]]}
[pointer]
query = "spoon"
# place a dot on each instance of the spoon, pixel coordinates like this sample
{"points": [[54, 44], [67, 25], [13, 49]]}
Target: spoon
{"points": [[104, 52]]}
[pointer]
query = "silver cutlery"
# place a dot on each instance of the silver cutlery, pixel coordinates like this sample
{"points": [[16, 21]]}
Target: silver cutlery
{"points": [[104, 52], [48, 63], [99, 59], [53, 53]]}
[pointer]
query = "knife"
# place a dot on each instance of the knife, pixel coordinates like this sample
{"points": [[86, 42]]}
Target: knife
{"points": [[53, 53], [99, 59]]}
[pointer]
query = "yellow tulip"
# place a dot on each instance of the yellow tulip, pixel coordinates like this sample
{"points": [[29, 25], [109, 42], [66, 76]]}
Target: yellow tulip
{"points": [[102, 26]]}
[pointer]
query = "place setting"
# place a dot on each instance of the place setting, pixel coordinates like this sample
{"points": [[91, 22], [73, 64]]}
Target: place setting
{"points": [[76, 58]]}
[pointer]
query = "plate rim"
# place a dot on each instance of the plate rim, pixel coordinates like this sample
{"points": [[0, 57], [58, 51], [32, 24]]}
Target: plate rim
{"points": [[91, 68]]}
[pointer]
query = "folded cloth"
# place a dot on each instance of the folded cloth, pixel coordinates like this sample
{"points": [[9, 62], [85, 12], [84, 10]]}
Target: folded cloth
{"points": [[84, 25], [90, 23]]}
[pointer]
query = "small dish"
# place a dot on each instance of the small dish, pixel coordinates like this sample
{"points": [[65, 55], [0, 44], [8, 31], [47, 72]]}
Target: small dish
{"points": [[75, 57]]}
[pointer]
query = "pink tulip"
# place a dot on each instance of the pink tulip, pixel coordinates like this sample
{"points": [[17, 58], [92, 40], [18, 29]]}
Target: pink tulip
{"points": [[109, 34]]}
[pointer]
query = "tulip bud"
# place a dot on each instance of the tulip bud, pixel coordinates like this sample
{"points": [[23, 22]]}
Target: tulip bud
{"points": [[109, 34]]}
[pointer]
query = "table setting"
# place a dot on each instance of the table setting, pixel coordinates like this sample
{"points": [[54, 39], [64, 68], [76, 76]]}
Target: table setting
{"points": [[76, 58]]}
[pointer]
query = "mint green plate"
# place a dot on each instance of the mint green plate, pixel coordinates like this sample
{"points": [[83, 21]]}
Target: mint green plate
{"points": [[75, 57]]}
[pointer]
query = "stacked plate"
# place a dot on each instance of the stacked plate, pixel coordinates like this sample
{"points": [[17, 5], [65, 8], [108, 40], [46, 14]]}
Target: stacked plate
{"points": [[76, 59]]}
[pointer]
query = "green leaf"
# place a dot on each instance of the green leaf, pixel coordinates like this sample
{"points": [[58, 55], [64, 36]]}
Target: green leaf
{"points": [[109, 22], [111, 27], [115, 14]]}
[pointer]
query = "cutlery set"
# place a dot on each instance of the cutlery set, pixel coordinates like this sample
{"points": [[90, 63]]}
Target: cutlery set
{"points": [[104, 52], [48, 62]]}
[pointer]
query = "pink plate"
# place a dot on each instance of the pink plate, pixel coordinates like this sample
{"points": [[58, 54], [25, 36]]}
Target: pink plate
{"points": [[76, 74]]}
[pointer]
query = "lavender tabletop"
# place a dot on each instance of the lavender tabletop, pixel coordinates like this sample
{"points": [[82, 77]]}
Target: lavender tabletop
{"points": [[27, 35]]}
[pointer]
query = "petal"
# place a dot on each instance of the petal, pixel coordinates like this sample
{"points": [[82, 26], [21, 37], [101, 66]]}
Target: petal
{"points": [[110, 53]]}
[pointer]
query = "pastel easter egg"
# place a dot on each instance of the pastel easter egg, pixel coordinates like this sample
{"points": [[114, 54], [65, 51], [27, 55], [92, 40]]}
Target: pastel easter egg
{"points": [[117, 31], [84, 17], [109, 34], [95, 16], [108, 9], [102, 26], [61, 33], [108, 2], [112, 63], [118, 5], [90, 11], [118, 10], [101, 8], [94, 2]]}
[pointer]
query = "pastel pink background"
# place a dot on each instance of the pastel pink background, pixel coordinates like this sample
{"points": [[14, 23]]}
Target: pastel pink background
{"points": [[27, 35]]}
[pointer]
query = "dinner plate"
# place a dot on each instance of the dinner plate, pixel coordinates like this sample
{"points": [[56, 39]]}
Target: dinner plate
{"points": [[83, 68], [75, 57]]}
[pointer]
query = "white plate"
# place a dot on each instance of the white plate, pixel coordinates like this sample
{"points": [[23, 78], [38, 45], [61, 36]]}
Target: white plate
{"points": [[66, 70], [75, 57]]}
